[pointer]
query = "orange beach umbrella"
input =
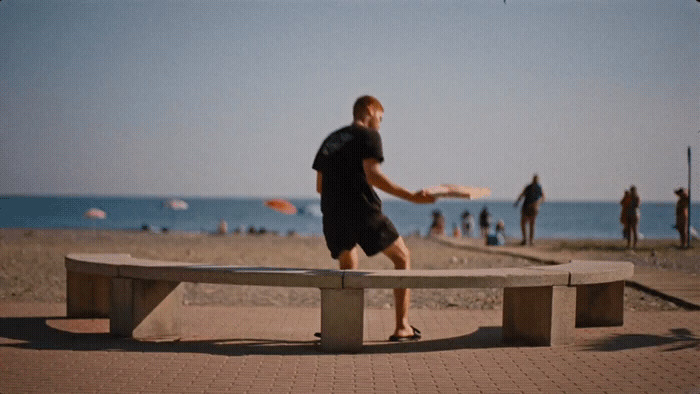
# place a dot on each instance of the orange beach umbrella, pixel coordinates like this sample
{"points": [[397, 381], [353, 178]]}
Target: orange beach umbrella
{"points": [[282, 206]]}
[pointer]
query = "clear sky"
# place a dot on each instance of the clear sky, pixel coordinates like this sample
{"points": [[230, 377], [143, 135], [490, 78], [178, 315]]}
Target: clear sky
{"points": [[224, 98]]}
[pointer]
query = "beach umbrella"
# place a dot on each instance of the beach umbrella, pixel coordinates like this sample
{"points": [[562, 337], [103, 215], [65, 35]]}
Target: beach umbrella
{"points": [[176, 204], [95, 213], [282, 206]]}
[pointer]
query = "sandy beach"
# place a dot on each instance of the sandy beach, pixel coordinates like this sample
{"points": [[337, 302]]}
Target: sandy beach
{"points": [[32, 264]]}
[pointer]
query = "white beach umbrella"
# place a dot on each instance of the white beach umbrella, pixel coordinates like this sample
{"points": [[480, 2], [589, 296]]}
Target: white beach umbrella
{"points": [[176, 204], [173, 205], [95, 213]]}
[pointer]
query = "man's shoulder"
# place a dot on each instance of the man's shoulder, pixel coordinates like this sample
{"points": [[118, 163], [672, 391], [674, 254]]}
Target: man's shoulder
{"points": [[336, 140], [343, 129], [349, 133], [342, 134], [366, 132]]}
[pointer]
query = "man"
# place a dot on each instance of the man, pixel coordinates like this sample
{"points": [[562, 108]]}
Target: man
{"points": [[682, 216], [347, 166], [484, 222], [534, 196]]}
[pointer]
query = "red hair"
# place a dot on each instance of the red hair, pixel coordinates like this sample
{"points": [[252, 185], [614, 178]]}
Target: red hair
{"points": [[362, 107]]}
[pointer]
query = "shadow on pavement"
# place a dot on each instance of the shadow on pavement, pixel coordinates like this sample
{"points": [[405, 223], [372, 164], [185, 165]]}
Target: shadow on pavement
{"points": [[40, 333], [677, 339]]}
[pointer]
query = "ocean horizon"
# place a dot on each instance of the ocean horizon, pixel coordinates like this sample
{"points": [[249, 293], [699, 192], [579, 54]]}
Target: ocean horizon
{"points": [[557, 219]]}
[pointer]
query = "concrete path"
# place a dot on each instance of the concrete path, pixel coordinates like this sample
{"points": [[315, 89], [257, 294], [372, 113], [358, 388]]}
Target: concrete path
{"points": [[270, 349], [680, 287]]}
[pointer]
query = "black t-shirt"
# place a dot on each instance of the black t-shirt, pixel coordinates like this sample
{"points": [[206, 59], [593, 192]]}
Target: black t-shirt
{"points": [[344, 188], [533, 192]]}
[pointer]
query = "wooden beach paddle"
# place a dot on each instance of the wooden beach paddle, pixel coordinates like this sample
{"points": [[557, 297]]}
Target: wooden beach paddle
{"points": [[458, 191]]}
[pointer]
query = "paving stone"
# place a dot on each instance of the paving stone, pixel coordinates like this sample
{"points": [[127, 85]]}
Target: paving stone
{"points": [[263, 352]]}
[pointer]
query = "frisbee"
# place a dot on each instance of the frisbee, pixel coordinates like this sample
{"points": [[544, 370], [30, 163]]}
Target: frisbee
{"points": [[458, 191]]}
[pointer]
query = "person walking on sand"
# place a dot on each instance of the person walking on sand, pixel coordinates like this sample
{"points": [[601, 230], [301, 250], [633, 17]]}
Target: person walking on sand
{"points": [[347, 170], [682, 216], [632, 217], [437, 227], [484, 222], [623, 214], [534, 196], [467, 224]]}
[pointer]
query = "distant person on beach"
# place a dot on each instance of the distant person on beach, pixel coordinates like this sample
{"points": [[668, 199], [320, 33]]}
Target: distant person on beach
{"points": [[484, 222], [456, 232], [533, 196], [624, 203], [437, 227], [467, 224], [682, 216], [632, 217], [223, 227], [347, 168], [498, 238]]}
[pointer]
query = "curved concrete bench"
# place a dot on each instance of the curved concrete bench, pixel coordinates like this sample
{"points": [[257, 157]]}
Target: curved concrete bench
{"points": [[541, 305]]}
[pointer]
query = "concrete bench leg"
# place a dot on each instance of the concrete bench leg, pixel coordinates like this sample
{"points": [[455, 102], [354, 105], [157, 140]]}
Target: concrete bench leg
{"points": [[342, 319], [539, 315], [145, 309], [87, 295], [600, 305]]}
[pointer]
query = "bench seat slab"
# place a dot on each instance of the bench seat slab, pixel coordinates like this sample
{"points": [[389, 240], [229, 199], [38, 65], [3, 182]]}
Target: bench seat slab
{"points": [[342, 320], [453, 278], [231, 275], [539, 316], [583, 272], [146, 309]]}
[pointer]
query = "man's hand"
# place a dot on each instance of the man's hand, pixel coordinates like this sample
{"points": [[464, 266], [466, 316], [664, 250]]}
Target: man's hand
{"points": [[422, 197]]}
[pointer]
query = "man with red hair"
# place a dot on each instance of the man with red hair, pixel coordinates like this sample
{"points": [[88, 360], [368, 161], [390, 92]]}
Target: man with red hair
{"points": [[347, 167]]}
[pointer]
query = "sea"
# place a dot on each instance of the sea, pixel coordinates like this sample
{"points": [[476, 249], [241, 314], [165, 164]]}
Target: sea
{"points": [[557, 219]]}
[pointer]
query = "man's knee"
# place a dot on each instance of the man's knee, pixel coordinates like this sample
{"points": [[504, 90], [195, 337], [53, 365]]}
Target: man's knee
{"points": [[399, 254], [348, 259]]}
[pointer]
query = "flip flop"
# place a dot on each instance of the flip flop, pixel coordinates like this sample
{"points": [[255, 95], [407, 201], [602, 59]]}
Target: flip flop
{"points": [[416, 336]]}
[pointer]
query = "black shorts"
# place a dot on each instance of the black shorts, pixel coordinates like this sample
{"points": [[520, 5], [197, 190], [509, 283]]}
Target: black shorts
{"points": [[530, 210], [374, 232]]}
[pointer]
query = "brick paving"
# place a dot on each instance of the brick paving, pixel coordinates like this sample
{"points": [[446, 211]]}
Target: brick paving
{"points": [[267, 349]]}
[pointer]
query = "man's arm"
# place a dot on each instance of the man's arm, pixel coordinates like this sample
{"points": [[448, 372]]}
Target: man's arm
{"points": [[378, 179], [520, 197], [319, 181]]}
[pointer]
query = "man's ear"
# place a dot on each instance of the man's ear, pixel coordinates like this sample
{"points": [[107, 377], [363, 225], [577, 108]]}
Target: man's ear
{"points": [[371, 111], [365, 120]]}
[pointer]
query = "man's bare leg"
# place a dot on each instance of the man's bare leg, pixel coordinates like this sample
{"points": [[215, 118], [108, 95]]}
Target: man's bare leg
{"points": [[532, 229], [348, 259], [398, 253], [523, 222]]}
